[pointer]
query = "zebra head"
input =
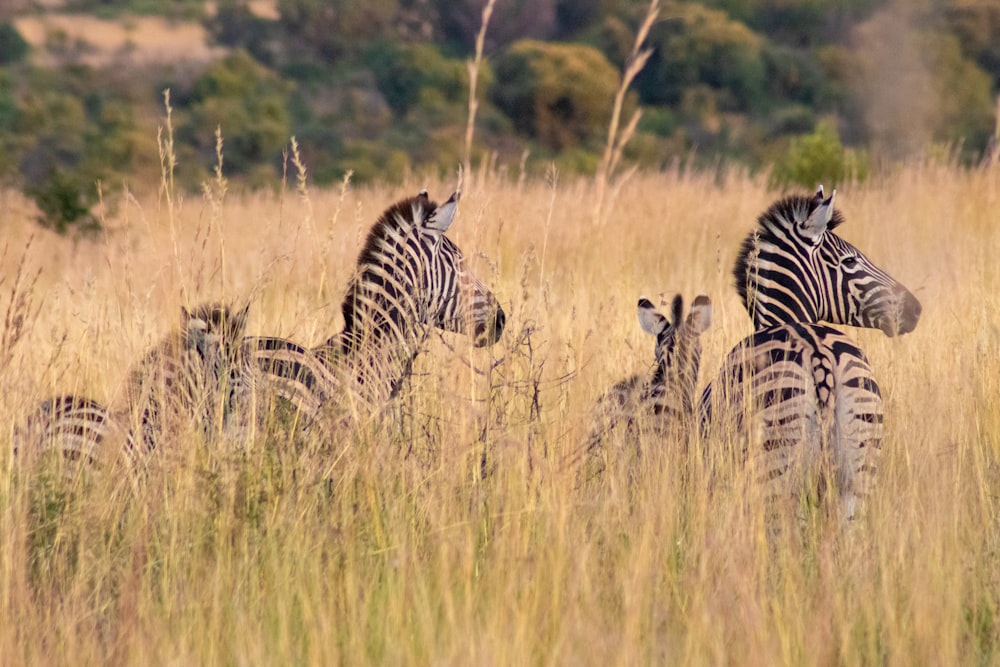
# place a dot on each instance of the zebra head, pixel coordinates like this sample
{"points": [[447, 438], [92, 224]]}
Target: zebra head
{"points": [[410, 274], [214, 331], [678, 345], [794, 268]]}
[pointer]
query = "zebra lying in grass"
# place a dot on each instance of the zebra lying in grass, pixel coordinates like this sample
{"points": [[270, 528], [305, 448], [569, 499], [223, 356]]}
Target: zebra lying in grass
{"points": [[659, 407], [189, 381], [410, 278], [797, 402]]}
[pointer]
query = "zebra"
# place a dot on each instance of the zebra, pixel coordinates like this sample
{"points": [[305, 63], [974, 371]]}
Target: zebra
{"points": [[662, 404], [409, 277], [193, 376], [798, 395], [794, 268], [797, 404]]}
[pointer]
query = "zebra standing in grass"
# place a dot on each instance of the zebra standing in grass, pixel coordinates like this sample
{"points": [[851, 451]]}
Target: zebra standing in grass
{"points": [[410, 277], [800, 397], [662, 404], [191, 378]]}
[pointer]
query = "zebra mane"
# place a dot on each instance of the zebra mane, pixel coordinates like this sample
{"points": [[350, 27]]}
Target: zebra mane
{"points": [[781, 214], [401, 210]]}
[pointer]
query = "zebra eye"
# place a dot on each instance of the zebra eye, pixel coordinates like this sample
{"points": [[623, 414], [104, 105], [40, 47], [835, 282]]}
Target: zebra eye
{"points": [[850, 262]]}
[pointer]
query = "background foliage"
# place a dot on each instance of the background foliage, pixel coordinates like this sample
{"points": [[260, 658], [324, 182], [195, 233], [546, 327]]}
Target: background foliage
{"points": [[381, 88]]}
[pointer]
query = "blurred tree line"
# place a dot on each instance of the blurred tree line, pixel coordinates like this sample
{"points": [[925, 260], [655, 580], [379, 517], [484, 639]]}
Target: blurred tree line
{"points": [[808, 89]]}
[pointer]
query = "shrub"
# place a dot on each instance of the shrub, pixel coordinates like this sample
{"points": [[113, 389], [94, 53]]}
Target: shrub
{"points": [[560, 94], [13, 47], [64, 202], [403, 71], [703, 46], [249, 102], [816, 158]]}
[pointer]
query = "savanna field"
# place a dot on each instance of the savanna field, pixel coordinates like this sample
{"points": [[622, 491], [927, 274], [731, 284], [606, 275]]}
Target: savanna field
{"points": [[460, 534]]}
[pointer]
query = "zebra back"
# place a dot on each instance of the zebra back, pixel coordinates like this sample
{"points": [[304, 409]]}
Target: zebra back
{"points": [[798, 406], [74, 428]]}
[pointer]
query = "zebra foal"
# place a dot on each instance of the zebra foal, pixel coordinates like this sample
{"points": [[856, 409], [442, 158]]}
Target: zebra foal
{"points": [[192, 378], [663, 404], [797, 401]]}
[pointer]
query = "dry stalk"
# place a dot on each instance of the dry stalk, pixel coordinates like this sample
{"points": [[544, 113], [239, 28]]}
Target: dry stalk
{"points": [[168, 164], [215, 193], [991, 156], [616, 141], [473, 67], [21, 311]]}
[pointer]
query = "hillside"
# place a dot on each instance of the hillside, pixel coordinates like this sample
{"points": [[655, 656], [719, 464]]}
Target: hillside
{"points": [[803, 90]]}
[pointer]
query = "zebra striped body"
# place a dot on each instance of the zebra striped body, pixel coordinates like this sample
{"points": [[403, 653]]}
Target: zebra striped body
{"points": [[75, 426], [806, 410], [800, 396], [661, 405], [409, 277], [191, 379]]}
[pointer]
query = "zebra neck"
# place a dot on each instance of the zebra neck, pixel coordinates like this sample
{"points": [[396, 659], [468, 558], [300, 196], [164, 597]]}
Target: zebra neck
{"points": [[778, 304], [378, 361]]}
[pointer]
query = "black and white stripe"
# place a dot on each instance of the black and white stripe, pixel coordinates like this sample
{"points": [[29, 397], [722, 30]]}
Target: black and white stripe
{"points": [[661, 404], [410, 276], [191, 379], [71, 426], [798, 405], [794, 268], [798, 401], [194, 377]]}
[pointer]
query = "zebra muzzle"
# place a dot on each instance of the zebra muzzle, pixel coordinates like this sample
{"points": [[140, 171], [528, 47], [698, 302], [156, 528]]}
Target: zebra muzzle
{"points": [[488, 331]]}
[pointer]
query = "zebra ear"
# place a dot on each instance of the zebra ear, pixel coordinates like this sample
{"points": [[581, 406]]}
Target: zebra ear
{"points": [[238, 320], [650, 320], [700, 317], [816, 224], [440, 220]]}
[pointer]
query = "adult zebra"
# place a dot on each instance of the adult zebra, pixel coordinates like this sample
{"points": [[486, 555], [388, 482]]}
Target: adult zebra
{"points": [[190, 380], [662, 404], [409, 278], [793, 268], [797, 400]]}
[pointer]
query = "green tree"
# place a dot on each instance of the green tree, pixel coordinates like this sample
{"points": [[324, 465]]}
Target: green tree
{"points": [[336, 29], [512, 20], [698, 46], [70, 130], [976, 24], [916, 87], [817, 158], [560, 94], [403, 71], [13, 46], [249, 102]]}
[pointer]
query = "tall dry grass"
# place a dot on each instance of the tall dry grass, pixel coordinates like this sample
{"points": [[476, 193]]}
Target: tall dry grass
{"points": [[458, 535]]}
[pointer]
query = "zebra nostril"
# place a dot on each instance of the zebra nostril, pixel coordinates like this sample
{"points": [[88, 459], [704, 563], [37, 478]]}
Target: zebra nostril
{"points": [[488, 332], [910, 315], [498, 324]]}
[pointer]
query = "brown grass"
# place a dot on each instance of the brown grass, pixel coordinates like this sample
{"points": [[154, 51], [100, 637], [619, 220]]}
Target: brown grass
{"points": [[272, 554]]}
